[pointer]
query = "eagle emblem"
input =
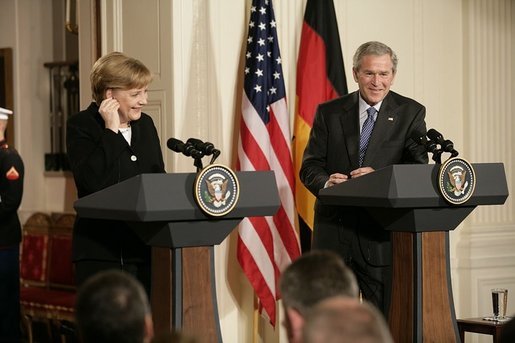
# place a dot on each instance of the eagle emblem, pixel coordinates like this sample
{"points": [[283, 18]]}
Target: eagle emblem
{"points": [[457, 180], [218, 192]]}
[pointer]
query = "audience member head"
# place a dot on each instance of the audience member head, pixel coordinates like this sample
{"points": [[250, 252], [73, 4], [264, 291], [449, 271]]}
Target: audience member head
{"points": [[117, 71], [310, 279], [112, 306], [345, 320]]}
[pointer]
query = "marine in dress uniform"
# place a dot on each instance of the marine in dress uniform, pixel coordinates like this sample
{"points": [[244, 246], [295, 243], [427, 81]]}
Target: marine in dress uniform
{"points": [[11, 191]]}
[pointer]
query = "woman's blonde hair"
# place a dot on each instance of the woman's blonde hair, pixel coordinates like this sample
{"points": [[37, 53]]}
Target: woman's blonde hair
{"points": [[116, 70]]}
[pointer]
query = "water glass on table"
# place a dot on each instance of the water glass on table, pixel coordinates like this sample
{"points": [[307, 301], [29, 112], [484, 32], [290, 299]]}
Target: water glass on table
{"points": [[499, 303]]}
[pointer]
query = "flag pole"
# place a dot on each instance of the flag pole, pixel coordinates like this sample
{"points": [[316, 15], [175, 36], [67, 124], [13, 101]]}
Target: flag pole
{"points": [[255, 320], [264, 145]]}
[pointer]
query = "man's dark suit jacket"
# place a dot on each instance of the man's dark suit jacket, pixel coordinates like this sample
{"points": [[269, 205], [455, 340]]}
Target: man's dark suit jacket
{"points": [[333, 147], [100, 158]]}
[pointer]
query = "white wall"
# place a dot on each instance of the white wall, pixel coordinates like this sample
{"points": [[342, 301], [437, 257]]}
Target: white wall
{"points": [[484, 252], [455, 56], [27, 29]]}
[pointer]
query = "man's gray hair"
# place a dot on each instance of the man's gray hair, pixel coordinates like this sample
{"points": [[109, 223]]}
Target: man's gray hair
{"points": [[373, 48]]}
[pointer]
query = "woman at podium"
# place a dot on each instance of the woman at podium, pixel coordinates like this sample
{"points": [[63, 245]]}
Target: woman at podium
{"points": [[110, 141]]}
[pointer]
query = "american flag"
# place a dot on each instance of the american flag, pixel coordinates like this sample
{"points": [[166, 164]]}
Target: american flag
{"points": [[266, 245]]}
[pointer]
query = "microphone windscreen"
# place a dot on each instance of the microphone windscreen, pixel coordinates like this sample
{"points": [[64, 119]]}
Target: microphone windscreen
{"points": [[175, 145], [196, 142], [206, 147], [434, 135]]}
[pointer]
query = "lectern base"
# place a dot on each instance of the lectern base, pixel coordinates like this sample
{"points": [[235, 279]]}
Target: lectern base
{"points": [[422, 307], [187, 300]]}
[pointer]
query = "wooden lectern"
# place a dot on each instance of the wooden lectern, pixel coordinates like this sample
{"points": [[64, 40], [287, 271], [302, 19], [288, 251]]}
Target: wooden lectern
{"points": [[161, 209], [405, 199]]}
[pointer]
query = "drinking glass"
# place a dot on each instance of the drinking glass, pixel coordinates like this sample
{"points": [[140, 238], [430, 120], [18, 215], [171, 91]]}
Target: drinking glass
{"points": [[499, 302]]}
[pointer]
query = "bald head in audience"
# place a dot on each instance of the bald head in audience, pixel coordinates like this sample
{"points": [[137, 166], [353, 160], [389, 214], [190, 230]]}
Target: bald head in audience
{"points": [[345, 320], [311, 278]]}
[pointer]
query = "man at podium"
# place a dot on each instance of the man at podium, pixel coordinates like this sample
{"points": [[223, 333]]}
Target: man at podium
{"points": [[353, 136]]}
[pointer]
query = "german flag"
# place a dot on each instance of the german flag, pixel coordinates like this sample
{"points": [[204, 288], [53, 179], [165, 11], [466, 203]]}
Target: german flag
{"points": [[320, 77]]}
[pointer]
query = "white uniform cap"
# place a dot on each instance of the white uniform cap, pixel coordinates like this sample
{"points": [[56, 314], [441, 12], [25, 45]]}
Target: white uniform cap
{"points": [[4, 112]]}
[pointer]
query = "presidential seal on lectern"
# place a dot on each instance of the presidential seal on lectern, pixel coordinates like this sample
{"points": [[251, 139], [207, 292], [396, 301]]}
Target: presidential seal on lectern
{"points": [[216, 190], [456, 180]]}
